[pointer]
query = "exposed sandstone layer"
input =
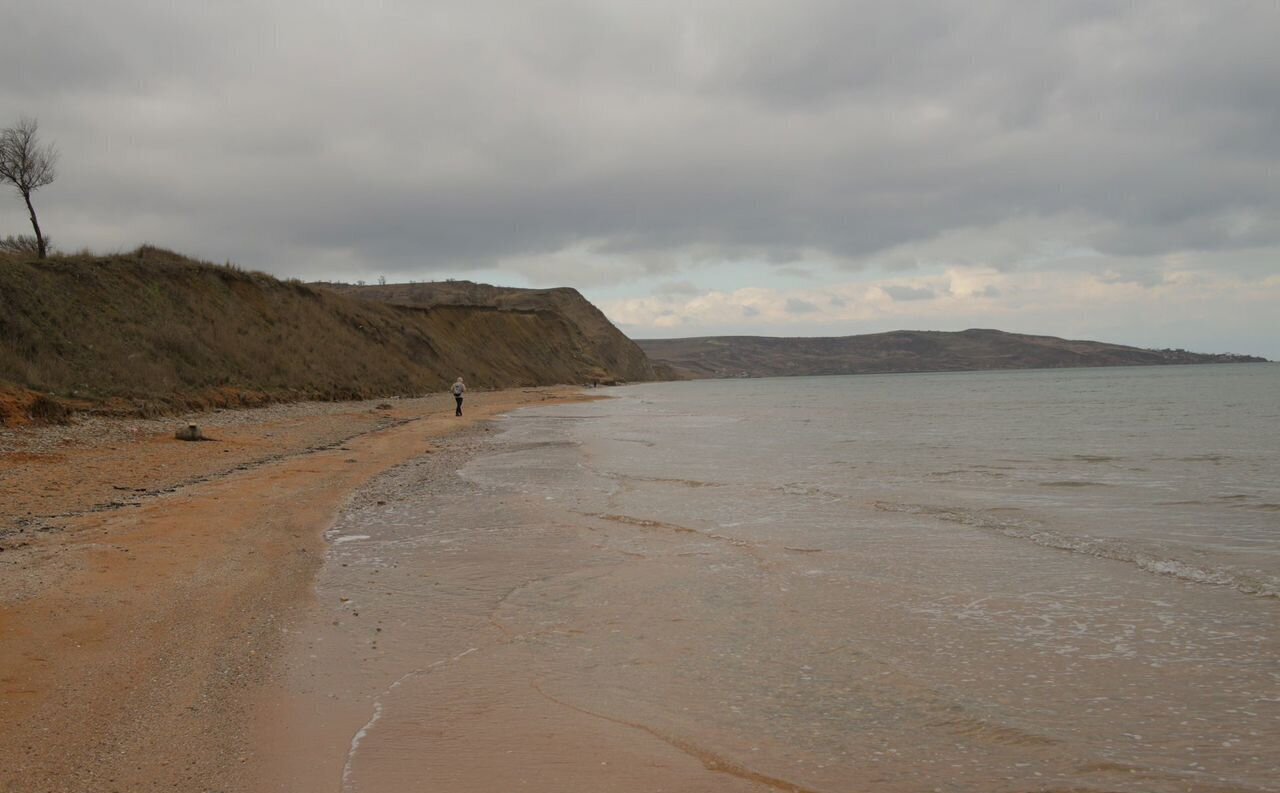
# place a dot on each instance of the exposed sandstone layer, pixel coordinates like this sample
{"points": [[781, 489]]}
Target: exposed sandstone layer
{"points": [[618, 357]]}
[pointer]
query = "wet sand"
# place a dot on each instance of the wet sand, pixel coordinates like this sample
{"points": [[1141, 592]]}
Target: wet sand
{"points": [[416, 669], [146, 584]]}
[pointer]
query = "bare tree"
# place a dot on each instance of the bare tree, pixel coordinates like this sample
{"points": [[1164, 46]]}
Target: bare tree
{"points": [[28, 166]]}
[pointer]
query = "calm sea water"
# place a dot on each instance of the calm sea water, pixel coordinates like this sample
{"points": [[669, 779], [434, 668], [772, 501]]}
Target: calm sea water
{"points": [[1041, 580]]}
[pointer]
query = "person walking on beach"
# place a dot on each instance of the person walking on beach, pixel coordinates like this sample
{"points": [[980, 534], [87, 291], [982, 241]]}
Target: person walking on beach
{"points": [[459, 388]]}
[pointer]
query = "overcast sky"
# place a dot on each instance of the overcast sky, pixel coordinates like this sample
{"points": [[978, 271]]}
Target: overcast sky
{"points": [[1086, 168]]}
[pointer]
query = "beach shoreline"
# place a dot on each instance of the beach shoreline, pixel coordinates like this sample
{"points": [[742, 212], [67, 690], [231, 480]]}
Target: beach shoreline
{"points": [[414, 667], [679, 589], [147, 582]]}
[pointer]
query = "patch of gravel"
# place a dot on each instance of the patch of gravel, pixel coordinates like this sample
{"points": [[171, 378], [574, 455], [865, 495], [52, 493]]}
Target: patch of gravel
{"points": [[449, 453], [86, 431], [51, 474]]}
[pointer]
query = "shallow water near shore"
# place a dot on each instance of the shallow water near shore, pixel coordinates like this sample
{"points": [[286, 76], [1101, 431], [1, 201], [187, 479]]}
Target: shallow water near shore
{"points": [[1048, 580]]}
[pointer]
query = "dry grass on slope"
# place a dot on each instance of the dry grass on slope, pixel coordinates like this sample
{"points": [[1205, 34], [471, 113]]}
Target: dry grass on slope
{"points": [[152, 331]]}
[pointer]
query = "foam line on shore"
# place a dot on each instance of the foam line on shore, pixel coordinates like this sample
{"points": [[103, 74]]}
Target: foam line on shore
{"points": [[363, 732]]}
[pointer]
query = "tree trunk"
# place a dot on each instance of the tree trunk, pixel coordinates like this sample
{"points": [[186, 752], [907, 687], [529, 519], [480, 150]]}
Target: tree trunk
{"points": [[35, 224]]}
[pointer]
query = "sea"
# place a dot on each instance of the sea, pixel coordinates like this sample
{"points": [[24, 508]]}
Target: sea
{"points": [[1048, 580]]}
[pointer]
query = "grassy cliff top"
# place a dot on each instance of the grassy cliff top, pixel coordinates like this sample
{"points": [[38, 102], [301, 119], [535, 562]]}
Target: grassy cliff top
{"points": [[153, 330]]}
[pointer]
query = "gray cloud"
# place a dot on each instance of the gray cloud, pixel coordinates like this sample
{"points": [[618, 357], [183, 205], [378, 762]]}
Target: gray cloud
{"points": [[1137, 276], [909, 292], [681, 288], [796, 306], [407, 139]]}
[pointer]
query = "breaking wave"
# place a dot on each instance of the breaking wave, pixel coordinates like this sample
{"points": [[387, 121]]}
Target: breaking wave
{"points": [[1104, 548]]}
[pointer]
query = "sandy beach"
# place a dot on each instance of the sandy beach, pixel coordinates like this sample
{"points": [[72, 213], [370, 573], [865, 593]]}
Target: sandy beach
{"points": [[146, 582], [672, 589]]}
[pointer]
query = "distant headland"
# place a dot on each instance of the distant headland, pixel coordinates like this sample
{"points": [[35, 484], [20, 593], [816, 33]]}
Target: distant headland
{"points": [[900, 351]]}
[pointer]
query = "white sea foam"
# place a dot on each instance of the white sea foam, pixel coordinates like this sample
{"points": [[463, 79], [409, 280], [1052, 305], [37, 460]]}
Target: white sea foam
{"points": [[349, 538], [363, 732], [1103, 548]]}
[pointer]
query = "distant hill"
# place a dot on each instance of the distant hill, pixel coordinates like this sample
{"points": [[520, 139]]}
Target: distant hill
{"points": [[152, 330], [900, 351]]}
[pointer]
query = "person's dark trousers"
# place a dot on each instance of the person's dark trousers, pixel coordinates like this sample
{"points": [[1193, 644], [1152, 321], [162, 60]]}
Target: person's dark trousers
{"points": [[459, 401]]}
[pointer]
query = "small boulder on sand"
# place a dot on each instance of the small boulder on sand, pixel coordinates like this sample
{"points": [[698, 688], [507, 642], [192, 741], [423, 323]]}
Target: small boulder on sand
{"points": [[191, 432]]}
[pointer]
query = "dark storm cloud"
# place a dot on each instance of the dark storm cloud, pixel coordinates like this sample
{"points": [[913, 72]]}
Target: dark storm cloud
{"points": [[395, 137]]}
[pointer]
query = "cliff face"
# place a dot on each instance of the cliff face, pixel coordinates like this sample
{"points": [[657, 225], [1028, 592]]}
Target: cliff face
{"points": [[618, 357], [153, 329], [900, 351]]}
